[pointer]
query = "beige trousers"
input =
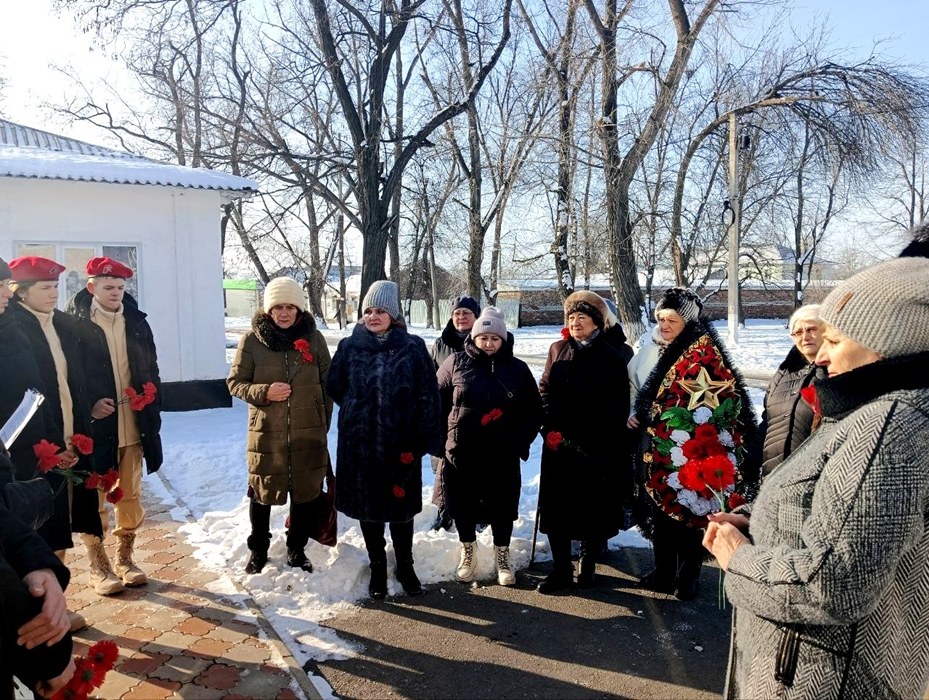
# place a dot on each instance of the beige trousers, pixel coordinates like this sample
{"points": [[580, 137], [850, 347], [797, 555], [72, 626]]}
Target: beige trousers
{"points": [[129, 513]]}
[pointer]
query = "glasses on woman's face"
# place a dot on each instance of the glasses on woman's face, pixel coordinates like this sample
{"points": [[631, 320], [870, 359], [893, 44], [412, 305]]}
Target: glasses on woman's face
{"points": [[809, 330]]}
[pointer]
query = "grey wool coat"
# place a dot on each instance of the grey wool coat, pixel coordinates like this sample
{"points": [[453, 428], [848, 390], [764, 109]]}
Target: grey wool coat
{"points": [[832, 598], [389, 418], [287, 449]]}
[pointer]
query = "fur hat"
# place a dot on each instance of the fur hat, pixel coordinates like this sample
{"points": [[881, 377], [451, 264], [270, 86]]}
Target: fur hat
{"points": [[5, 273], [919, 246], [681, 300], [383, 295], [284, 290], [885, 307], [587, 303], [466, 302], [490, 321]]}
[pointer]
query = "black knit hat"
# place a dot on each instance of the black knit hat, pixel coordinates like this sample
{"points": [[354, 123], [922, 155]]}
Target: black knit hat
{"points": [[466, 302], [5, 273], [682, 301], [919, 246]]}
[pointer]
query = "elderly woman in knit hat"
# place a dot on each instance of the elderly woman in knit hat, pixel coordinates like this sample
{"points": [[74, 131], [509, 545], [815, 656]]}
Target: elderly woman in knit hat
{"points": [[831, 588], [54, 341], [493, 411], [280, 370], [693, 416], [584, 478], [384, 381]]}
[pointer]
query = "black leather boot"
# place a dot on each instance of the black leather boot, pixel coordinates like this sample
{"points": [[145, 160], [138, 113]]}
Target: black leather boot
{"points": [[296, 558], [377, 588], [587, 568], [560, 579], [256, 561], [408, 578]]}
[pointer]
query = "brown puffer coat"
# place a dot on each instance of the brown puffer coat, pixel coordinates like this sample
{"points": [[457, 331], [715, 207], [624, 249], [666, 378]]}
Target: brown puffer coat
{"points": [[286, 447]]}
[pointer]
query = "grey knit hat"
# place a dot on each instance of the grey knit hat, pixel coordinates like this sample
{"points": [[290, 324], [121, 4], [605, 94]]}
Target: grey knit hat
{"points": [[5, 273], [682, 301], [885, 308], [383, 295], [490, 321]]}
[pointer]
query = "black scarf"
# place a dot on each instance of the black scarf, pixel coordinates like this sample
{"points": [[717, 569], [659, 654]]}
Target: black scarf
{"points": [[840, 395], [282, 339]]}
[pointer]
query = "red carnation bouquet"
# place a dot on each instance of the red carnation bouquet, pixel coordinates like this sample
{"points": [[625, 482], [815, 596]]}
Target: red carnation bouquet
{"points": [[49, 454], [136, 400], [406, 458], [90, 671], [302, 346]]}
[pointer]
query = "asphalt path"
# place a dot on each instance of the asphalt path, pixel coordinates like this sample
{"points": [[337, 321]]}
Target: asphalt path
{"points": [[487, 641]]}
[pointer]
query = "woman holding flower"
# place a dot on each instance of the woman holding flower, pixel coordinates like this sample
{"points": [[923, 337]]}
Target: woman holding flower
{"points": [[831, 592], [493, 411], [280, 370], [384, 381], [694, 420], [584, 479]]}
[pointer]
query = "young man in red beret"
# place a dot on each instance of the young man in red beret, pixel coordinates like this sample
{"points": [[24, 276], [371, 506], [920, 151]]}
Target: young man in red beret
{"points": [[120, 362]]}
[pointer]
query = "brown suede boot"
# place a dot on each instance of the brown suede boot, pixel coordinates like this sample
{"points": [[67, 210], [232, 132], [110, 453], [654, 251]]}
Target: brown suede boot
{"points": [[104, 581], [126, 569]]}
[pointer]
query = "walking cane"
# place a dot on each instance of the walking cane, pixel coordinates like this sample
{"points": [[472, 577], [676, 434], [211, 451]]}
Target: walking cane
{"points": [[535, 535]]}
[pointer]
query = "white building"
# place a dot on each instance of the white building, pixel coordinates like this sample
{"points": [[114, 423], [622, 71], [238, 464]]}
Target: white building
{"points": [[71, 201]]}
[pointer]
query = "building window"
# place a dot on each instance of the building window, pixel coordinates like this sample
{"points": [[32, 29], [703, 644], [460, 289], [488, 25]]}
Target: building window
{"points": [[74, 257]]}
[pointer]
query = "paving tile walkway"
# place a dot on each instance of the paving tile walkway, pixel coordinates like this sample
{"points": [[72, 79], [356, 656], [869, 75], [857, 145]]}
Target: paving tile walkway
{"points": [[176, 639]]}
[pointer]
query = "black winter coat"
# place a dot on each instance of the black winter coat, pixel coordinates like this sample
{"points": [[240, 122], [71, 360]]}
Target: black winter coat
{"points": [[482, 477], [787, 419], [585, 396], [21, 552], [83, 512], [101, 383], [388, 419], [19, 372], [447, 344], [616, 336]]}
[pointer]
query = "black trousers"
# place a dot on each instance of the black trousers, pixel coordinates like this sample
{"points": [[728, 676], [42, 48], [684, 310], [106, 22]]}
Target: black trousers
{"points": [[401, 534], [678, 549], [503, 531], [561, 550], [260, 517]]}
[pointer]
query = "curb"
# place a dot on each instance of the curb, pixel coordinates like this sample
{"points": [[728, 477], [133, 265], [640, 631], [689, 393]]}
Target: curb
{"points": [[304, 680]]}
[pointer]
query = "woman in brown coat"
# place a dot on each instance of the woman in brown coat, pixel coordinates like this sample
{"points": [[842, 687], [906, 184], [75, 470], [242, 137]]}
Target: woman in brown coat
{"points": [[280, 370]]}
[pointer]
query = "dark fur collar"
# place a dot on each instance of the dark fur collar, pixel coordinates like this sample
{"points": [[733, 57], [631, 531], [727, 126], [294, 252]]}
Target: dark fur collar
{"points": [[692, 331], [795, 361], [450, 337], [280, 339], [366, 340], [504, 354], [840, 395]]}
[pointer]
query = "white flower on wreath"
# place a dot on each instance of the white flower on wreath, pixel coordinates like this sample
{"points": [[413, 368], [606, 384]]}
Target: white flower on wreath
{"points": [[725, 438], [674, 481], [697, 504], [677, 457], [702, 415], [732, 459], [680, 436]]}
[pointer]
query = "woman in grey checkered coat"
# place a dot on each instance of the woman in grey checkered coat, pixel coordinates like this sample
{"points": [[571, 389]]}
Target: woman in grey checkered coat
{"points": [[831, 593]]}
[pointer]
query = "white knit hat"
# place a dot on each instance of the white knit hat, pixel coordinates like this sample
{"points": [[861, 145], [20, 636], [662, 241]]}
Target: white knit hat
{"points": [[383, 295], [491, 320], [284, 290], [885, 308]]}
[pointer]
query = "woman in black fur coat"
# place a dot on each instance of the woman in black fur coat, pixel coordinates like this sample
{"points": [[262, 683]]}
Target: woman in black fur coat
{"points": [[695, 420], [384, 382]]}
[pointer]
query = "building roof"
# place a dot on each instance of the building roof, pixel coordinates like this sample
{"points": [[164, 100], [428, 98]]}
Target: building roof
{"points": [[31, 153]]}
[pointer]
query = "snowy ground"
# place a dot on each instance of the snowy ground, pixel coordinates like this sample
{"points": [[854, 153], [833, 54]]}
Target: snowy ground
{"points": [[205, 467]]}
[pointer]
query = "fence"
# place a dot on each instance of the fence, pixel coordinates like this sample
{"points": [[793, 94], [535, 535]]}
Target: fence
{"points": [[419, 316]]}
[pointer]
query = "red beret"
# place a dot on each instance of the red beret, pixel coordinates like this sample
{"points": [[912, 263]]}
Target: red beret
{"points": [[107, 267], [32, 267]]}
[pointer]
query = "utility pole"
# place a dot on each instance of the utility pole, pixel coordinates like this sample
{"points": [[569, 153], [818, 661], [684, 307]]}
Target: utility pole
{"points": [[731, 217]]}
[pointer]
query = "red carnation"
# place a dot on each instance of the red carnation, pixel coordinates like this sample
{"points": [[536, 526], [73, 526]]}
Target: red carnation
{"points": [[718, 472], [399, 491], [301, 345], [109, 480], [809, 395], [115, 496], [149, 389], [714, 448], [94, 481], [706, 432], [47, 454], [493, 415], [553, 440], [691, 475], [406, 458], [82, 444], [662, 430], [736, 500], [565, 333], [694, 449], [104, 654]]}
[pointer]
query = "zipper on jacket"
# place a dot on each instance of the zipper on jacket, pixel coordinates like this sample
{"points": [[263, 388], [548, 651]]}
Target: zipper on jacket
{"points": [[290, 475]]}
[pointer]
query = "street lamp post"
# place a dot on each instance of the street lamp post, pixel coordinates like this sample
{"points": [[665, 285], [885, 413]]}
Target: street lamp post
{"points": [[731, 219]]}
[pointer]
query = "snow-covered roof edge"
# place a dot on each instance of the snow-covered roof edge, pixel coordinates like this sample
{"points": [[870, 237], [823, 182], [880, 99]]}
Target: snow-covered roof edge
{"points": [[32, 153]]}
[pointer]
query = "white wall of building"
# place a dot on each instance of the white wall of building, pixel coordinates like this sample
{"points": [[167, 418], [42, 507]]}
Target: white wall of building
{"points": [[176, 232]]}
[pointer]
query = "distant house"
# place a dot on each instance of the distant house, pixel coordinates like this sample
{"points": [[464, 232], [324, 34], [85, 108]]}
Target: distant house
{"points": [[71, 201]]}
